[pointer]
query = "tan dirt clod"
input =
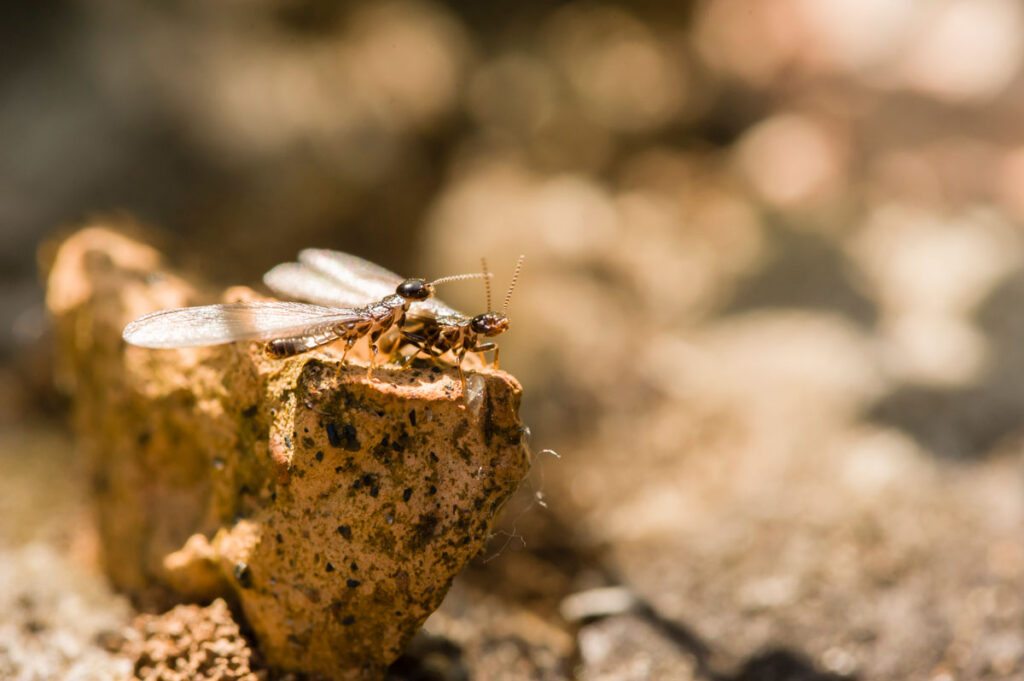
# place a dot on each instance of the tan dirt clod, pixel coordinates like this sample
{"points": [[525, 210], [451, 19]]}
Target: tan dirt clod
{"points": [[192, 643], [335, 509]]}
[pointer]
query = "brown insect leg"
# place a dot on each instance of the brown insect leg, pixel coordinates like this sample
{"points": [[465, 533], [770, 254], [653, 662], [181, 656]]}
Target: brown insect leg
{"points": [[374, 337], [484, 347], [408, 359], [414, 337], [432, 353], [373, 360], [394, 351], [462, 374], [348, 346], [416, 340]]}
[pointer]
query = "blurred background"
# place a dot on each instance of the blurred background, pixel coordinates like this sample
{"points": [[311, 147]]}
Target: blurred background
{"points": [[769, 318]]}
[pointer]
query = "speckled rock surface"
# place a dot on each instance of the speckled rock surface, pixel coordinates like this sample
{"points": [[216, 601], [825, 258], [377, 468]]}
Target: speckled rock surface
{"points": [[335, 508]]}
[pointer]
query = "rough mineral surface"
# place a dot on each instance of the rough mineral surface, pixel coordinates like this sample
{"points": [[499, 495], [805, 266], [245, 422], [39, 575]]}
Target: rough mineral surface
{"points": [[192, 643], [334, 507]]}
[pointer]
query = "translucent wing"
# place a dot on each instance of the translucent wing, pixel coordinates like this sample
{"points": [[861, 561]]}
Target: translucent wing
{"points": [[215, 324], [295, 280], [433, 307], [351, 272], [330, 277], [417, 317]]}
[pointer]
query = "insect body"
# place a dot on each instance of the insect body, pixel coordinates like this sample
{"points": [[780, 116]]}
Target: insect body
{"points": [[332, 278], [370, 320], [288, 328], [340, 280], [459, 334]]}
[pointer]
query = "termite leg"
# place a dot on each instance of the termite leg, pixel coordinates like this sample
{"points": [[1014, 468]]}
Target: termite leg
{"points": [[432, 353], [484, 347], [409, 359], [419, 341], [373, 360], [406, 361], [462, 374], [374, 337], [416, 340], [394, 351], [348, 346]]}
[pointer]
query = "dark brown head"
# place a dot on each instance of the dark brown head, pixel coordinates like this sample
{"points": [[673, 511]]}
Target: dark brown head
{"points": [[421, 289], [415, 289], [489, 323], [494, 323]]}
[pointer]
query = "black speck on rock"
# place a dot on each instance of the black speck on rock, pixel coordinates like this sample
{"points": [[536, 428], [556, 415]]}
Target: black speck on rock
{"points": [[345, 436], [332, 435]]}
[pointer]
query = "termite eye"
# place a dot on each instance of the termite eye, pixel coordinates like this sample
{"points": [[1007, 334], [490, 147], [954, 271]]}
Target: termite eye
{"points": [[414, 289]]}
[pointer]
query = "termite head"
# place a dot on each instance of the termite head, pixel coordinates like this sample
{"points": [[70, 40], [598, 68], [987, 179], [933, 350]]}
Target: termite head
{"points": [[489, 323], [415, 289], [494, 323]]}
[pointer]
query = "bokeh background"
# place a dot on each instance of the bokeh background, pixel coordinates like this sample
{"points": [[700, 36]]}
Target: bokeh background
{"points": [[770, 317]]}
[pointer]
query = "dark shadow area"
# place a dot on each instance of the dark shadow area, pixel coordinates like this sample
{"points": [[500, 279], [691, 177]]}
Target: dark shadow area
{"points": [[954, 424], [429, 658], [777, 664], [802, 270], [782, 665], [968, 423]]}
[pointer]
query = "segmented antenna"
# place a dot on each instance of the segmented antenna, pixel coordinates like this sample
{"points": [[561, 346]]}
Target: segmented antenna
{"points": [[459, 277], [515, 277], [487, 281]]}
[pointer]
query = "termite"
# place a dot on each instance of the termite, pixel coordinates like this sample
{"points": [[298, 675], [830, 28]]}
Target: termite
{"points": [[290, 328], [457, 333]]}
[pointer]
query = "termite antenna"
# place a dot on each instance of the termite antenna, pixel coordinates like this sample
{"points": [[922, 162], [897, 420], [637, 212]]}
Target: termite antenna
{"points": [[515, 277], [487, 281], [459, 277]]}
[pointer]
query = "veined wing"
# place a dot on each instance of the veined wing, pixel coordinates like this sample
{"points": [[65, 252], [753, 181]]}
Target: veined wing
{"points": [[215, 324], [433, 307], [334, 278], [418, 317], [359, 276], [296, 280]]}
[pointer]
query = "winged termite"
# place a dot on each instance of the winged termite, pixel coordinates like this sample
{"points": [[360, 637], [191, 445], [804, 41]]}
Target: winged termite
{"points": [[336, 279], [332, 278], [459, 334], [290, 328]]}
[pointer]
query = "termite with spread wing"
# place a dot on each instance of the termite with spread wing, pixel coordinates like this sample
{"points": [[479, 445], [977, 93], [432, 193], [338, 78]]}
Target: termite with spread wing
{"points": [[331, 278], [292, 328]]}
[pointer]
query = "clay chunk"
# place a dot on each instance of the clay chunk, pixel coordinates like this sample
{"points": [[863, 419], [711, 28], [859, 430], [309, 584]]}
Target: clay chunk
{"points": [[334, 508], [191, 643]]}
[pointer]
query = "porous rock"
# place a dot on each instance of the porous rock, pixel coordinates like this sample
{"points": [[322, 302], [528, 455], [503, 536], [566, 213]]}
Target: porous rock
{"points": [[333, 507], [192, 643]]}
